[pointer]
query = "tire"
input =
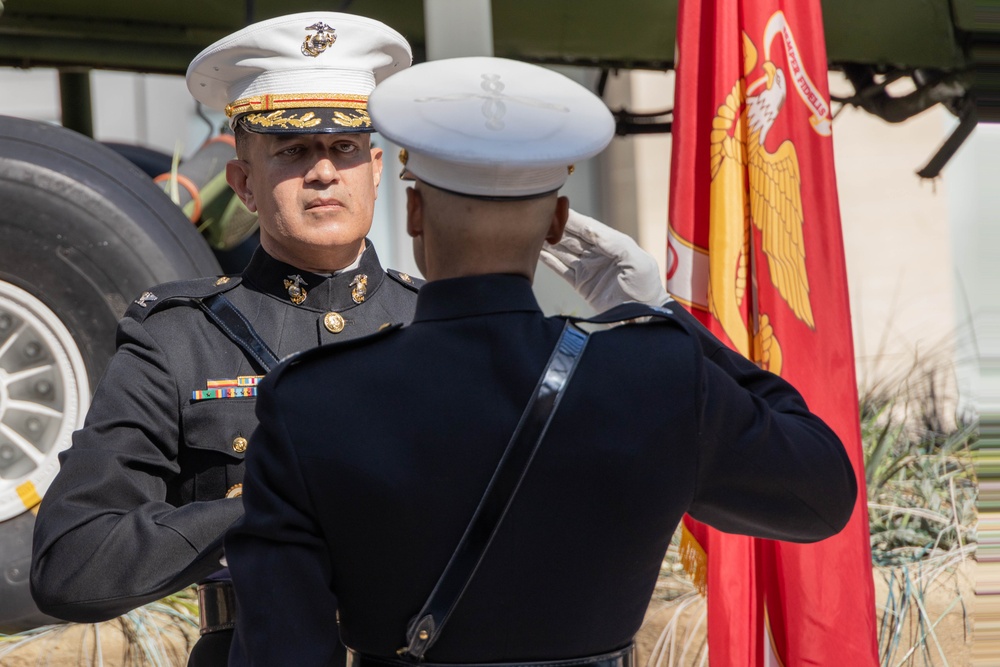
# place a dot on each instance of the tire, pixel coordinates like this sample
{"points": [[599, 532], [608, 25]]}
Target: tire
{"points": [[151, 162], [82, 233]]}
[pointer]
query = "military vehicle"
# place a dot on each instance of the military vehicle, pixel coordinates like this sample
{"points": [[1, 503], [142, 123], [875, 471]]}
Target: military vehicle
{"points": [[83, 230]]}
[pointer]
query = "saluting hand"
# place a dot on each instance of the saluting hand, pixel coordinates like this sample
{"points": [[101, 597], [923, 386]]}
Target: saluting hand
{"points": [[604, 266]]}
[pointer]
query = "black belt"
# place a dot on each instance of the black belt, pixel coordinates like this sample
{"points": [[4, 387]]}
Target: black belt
{"points": [[621, 658], [216, 606]]}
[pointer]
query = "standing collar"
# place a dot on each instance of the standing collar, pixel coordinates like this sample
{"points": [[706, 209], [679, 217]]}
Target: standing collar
{"points": [[321, 293], [474, 295]]}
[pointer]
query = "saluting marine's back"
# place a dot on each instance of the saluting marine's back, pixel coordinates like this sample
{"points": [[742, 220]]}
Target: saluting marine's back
{"points": [[352, 510], [648, 429]]}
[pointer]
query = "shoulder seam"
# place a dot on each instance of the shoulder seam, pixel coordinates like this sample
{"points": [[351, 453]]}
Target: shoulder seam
{"points": [[405, 279], [341, 345]]}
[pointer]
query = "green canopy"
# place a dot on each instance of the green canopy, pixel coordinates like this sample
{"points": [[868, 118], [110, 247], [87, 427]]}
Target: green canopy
{"points": [[952, 39]]}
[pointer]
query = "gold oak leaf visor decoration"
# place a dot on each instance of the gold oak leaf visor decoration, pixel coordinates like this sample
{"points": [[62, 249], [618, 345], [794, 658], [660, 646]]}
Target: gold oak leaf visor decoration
{"points": [[311, 120]]}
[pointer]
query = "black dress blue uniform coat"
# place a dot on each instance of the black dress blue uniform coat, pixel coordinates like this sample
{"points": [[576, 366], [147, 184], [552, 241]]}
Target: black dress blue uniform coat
{"points": [[140, 505], [362, 502]]}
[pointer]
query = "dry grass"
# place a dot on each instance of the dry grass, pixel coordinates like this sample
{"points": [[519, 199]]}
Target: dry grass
{"points": [[158, 635]]}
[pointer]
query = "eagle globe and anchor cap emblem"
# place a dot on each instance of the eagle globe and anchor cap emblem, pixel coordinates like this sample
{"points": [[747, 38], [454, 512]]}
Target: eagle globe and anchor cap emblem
{"points": [[325, 36]]}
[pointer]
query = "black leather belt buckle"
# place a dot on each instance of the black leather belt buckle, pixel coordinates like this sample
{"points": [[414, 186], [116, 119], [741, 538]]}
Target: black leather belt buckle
{"points": [[217, 606]]}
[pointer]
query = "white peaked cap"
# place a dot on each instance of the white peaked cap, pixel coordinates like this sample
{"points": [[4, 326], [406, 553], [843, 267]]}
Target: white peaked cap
{"points": [[308, 72], [490, 127]]}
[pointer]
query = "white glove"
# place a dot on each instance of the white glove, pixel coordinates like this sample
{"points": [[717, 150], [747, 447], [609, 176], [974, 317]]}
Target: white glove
{"points": [[604, 266]]}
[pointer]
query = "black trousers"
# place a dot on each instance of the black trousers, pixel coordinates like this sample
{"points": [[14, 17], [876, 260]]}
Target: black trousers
{"points": [[211, 650]]}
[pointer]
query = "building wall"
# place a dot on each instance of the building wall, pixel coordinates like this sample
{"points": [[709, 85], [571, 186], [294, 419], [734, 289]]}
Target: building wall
{"points": [[974, 211]]}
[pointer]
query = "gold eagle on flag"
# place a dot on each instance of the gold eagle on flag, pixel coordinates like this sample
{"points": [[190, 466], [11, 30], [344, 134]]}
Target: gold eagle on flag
{"points": [[773, 202]]}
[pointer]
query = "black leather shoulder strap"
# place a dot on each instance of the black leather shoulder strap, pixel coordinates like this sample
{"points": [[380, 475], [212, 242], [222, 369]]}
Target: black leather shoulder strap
{"points": [[238, 329], [426, 626], [208, 294]]}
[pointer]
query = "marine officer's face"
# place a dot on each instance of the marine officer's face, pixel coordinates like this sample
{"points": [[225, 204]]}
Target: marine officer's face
{"points": [[314, 194]]}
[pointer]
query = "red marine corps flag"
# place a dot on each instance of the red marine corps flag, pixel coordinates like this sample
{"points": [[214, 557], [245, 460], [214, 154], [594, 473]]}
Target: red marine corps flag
{"points": [[755, 251]]}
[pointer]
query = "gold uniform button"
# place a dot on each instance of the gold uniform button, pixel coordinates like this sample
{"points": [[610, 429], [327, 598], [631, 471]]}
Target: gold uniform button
{"points": [[334, 322], [222, 281], [235, 491], [239, 444]]}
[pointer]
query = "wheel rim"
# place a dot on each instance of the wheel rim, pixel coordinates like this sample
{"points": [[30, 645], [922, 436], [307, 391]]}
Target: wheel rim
{"points": [[44, 395]]}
